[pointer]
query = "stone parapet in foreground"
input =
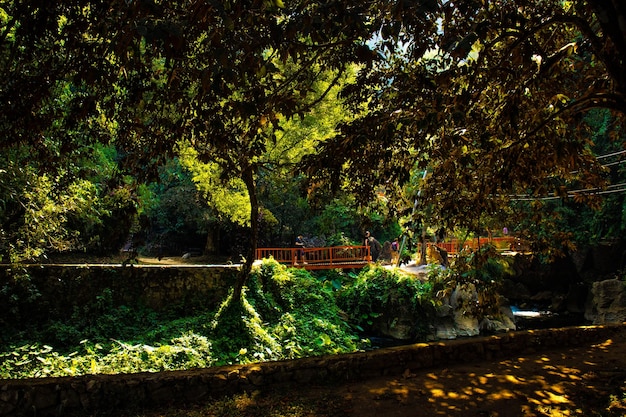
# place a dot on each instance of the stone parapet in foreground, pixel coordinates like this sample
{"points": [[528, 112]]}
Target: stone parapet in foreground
{"points": [[67, 395]]}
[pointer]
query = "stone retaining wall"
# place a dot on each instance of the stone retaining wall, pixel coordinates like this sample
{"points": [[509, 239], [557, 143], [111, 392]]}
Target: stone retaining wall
{"points": [[38, 293], [63, 396]]}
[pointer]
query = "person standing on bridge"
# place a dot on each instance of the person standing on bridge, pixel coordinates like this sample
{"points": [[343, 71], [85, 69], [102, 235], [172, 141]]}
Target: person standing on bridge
{"points": [[395, 252], [374, 245], [299, 250]]}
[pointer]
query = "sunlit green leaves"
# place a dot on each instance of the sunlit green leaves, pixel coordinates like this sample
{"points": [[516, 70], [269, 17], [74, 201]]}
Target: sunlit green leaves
{"points": [[224, 193]]}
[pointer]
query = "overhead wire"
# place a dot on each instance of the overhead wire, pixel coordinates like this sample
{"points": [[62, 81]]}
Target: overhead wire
{"points": [[594, 191]]}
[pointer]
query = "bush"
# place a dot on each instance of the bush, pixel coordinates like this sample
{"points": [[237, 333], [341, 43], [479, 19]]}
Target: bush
{"points": [[378, 291]]}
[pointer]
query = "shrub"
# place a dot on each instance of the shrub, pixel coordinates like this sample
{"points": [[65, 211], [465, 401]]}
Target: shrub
{"points": [[378, 291]]}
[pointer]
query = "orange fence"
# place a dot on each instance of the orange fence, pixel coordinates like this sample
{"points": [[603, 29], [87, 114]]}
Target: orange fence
{"points": [[319, 258], [359, 256], [453, 246]]}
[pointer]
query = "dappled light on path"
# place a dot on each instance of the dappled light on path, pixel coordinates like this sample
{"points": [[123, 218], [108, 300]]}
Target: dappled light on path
{"points": [[569, 381], [555, 383]]}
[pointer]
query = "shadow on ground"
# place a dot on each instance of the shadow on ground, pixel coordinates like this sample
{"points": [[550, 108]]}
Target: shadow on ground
{"points": [[560, 382]]}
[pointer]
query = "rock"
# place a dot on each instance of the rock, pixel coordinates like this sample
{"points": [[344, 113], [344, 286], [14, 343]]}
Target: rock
{"points": [[445, 330], [444, 310], [385, 255], [464, 300], [607, 302], [502, 322], [466, 325], [464, 296]]}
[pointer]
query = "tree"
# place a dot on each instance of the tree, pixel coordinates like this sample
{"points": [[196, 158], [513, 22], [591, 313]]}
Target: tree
{"points": [[66, 209], [144, 75], [486, 96], [489, 97]]}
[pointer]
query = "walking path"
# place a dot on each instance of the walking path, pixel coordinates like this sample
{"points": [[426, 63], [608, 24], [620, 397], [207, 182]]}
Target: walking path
{"points": [[576, 381], [563, 382]]}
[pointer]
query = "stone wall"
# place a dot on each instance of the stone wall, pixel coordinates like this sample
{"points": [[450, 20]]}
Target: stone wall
{"points": [[68, 395], [37, 293]]}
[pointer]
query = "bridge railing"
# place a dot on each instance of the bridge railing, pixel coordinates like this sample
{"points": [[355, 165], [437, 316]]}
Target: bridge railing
{"points": [[453, 246], [325, 257]]}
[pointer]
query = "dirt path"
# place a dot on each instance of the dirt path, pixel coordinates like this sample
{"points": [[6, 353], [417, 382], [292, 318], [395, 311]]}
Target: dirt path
{"points": [[563, 382], [573, 381]]}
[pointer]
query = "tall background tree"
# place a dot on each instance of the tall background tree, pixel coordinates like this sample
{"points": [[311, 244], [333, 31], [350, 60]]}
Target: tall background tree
{"points": [[145, 75]]}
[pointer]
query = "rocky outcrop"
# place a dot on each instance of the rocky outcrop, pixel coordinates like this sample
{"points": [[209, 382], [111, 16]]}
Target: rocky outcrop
{"points": [[459, 316], [582, 286], [607, 302]]}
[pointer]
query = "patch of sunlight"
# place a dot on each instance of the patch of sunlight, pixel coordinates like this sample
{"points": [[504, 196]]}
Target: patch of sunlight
{"points": [[437, 392], [544, 359], [401, 390], [504, 394], [513, 379], [547, 397], [553, 412], [558, 399], [604, 344], [480, 391], [378, 391], [483, 380], [558, 389], [457, 396]]}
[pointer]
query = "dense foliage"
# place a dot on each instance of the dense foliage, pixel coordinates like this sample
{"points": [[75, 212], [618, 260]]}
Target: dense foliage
{"points": [[377, 290], [493, 101], [284, 314]]}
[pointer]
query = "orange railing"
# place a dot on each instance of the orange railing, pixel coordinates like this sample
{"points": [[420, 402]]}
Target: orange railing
{"points": [[359, 256], [453, 246], [320, 258]]}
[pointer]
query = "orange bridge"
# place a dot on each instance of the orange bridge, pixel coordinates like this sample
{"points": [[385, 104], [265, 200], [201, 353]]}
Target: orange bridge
{"points": [[335, 257]]}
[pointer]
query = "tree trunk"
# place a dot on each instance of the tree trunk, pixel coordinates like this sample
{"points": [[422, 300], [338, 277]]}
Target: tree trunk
{"points": [[249, 180], [211, 238], [423, 260]]}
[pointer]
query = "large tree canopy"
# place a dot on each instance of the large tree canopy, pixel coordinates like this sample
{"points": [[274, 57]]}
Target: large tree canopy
{"points": [[488, 97], [161, 71], [144, 75]]}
